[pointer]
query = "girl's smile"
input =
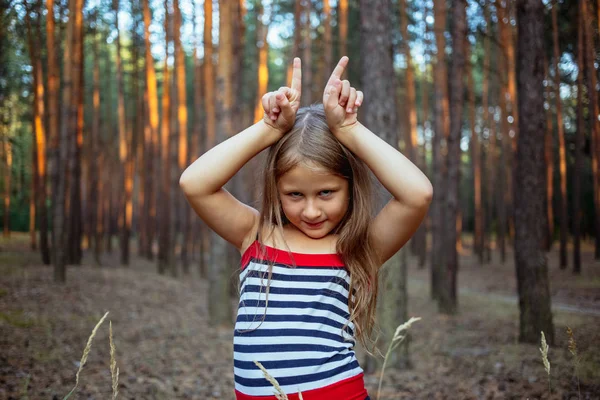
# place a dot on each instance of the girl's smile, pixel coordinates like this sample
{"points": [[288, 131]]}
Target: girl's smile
{"points": [[313, 199]]}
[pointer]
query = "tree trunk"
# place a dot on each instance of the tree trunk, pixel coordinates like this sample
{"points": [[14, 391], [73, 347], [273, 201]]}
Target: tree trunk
{"points": [[530, 258], [94, 197], [448, 302], [594, 123], [182, 119], [307, 79], [475, 158], [343, 28], [220, 311], [7, 184], [564, 222], [166, 241], [549, 156], [579, 138], [380, 116], [263, 66], [504, 128], [327, 44], [441, 133], [122, 129], [73, 250], [484, 242], [152, 110], [39, 148]]}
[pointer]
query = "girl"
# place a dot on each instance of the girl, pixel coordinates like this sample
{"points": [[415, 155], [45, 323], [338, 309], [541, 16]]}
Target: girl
{"points": [[310, 256]]}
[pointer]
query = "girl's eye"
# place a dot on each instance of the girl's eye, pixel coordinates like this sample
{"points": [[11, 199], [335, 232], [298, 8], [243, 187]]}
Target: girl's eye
{"points": [[326, 193], [295, 194]]}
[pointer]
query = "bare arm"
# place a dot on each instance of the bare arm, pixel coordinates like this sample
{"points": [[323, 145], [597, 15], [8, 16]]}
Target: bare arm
{"points": [[202, 182], [412, 191]]}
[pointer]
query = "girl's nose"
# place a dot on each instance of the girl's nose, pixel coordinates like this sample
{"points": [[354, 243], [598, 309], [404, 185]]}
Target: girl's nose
{"points": [[311, 211]]}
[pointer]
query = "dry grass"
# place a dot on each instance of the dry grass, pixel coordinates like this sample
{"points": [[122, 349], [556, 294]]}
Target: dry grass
{"points": [[280, 394], [86, 352], [399, 336]]}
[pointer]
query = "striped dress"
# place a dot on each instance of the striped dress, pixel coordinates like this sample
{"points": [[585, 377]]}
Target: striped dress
{"points": [[300, 339]]}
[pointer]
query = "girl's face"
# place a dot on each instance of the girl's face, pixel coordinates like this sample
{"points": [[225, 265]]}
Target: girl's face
{"points": [[313, 199]]}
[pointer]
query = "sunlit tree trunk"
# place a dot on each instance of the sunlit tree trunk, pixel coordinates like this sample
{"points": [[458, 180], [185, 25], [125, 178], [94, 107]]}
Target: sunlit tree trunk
{"points": [[504, 128], [209, 105], [263, 67], [564, 222], [198, 231], [579, 139], [307, 76], [594, 123], [39, 148], [166, 253], [53, 111], [74, 231], [218, 272], [152, 119], [94, 197], [549, 156], [343, 28], [327, 45], [124, 217], [297, 44], [441, 131], [529, 188], [182, 118]]}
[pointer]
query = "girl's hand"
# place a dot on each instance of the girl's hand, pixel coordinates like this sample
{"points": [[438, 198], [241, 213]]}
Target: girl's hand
{"points": [[281, 106], [340, 100]]}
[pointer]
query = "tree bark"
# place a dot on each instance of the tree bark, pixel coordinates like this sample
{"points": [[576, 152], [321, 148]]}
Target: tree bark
{"points": [[448, 301], [380, 115], [549, 150], [475, 158], [439, 150], [579, 138], [182, 119], [529, 192], [307, 79], [220, 311], [39, 147], [263, 66], [564, 222], [166, 253], [594, 123]]}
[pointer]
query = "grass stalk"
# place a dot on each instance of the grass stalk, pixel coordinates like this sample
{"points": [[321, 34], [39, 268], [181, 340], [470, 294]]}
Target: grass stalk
{"points": [[114, 371], [280, 395], [86, 351], [544, 350], [397, 339]]}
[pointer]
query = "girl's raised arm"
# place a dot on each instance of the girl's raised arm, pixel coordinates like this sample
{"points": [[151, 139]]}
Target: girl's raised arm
{"points": [[202, 182], [412, 191]]}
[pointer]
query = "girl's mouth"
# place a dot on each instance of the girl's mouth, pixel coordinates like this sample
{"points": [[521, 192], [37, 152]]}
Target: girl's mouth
{"points": [[314, 226]]}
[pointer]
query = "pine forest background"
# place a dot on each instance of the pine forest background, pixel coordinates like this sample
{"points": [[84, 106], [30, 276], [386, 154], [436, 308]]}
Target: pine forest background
{"points": [[104, 103]]}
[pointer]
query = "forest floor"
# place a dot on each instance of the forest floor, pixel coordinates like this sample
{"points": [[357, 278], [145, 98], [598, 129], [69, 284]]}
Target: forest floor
{"points": [[166, 349]]}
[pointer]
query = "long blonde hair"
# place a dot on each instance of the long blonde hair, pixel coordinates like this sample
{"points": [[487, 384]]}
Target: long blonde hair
{"points": [[310, 141]]}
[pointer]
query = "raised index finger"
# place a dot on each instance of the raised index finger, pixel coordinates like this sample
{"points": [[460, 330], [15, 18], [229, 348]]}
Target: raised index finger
{"points": [[297, 76], [338, 71]]}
